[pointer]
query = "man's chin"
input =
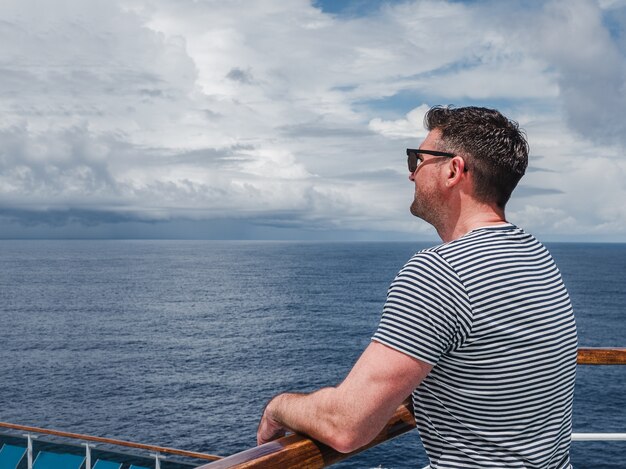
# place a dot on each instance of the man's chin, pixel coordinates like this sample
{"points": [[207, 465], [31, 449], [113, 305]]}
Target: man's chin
{"points": [[415, 210], [419, 212]]}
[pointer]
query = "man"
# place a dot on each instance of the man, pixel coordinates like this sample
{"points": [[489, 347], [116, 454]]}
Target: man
{"points": [[479, 329]]}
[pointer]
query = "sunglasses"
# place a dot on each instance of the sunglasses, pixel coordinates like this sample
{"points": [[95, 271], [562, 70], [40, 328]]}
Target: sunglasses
{"points": [[414, 160]]}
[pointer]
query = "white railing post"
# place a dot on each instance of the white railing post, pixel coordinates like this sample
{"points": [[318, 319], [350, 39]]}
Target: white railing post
{"points": [[87, 455], [29, 450], [157, 460]]}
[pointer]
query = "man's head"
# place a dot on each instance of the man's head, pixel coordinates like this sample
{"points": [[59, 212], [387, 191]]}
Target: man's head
{"points": [[493, 147]]}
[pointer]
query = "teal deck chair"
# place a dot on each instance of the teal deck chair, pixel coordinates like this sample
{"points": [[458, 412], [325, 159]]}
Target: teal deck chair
{"points": [[102, 464], [138, 467], [10, 456], [47, 460]]}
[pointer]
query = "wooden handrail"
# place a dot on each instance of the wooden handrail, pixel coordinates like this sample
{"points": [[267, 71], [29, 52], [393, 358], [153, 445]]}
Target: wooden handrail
{"points": [[128, 444], [601, 356], [298, 451]]}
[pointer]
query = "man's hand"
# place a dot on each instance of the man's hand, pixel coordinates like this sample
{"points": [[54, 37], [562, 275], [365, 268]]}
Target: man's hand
{"points": [[269, 429]]}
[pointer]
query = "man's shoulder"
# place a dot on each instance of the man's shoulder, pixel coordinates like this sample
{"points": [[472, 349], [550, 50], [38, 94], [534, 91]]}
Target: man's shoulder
{"points": [[428, 266], [426, 257]]}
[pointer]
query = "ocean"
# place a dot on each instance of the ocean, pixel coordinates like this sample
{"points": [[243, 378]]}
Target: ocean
{"points": [[181, 343]]}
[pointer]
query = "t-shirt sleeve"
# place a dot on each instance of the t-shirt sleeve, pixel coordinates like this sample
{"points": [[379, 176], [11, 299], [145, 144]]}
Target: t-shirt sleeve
{"points": [[427, 311]]}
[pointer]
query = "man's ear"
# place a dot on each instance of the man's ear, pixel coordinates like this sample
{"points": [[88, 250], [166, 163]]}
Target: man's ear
{"points": [[456, 169]]}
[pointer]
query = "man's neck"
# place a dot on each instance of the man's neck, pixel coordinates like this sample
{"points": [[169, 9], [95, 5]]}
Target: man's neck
{"points": [[471, 220]]}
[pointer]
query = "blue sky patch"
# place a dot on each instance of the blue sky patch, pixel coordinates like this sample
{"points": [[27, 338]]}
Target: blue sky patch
{"points": [[353, 8]]}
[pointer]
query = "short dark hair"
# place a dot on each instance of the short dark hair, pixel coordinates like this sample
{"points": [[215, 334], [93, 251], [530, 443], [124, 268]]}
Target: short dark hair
{"points": [[494, 147]]}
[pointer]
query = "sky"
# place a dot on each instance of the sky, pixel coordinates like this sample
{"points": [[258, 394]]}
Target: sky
{"points": [[273, 119]]}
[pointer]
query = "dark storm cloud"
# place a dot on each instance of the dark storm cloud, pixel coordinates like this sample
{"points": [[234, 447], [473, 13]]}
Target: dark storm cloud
{"points": [[59, 217], [528, 191], [240, 75]]}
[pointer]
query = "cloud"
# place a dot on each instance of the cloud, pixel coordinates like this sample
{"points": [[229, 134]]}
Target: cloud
{"points": [[547, 219], [78, 62], [242, 76], [412, 126], [528, 191], [590, 67], [159, 110], [610, 4]]}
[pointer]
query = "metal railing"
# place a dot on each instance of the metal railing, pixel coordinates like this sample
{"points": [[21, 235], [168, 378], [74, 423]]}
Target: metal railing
{"points": [[156, 451]]}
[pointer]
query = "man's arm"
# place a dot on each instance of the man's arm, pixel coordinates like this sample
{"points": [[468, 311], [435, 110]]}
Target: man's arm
{"points": [[350, 415]]}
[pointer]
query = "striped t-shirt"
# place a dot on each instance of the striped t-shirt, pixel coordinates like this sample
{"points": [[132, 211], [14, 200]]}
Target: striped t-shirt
{"points": [[490, 312]]}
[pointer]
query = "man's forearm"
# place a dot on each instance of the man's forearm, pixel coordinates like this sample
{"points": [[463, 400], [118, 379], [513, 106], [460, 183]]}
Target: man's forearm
{"points": [[350, 415], [318, 415]]}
